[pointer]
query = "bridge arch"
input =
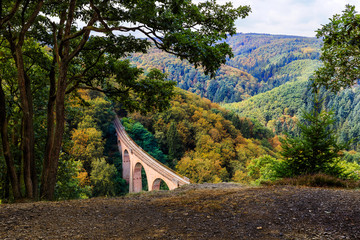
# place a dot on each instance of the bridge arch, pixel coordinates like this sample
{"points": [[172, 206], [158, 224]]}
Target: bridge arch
{"points": [[126, 165], [156, 184], [137, 178]]}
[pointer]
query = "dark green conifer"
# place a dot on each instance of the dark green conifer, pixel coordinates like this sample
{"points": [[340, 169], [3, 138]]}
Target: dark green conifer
{"points": [[316, 150], [174, 144]]}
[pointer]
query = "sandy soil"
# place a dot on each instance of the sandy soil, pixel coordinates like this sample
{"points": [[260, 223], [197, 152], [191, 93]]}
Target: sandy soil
{"points": [[208, 211]]}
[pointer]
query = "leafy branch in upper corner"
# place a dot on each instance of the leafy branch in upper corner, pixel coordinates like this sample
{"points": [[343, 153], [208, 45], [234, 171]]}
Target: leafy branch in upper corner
{"points": [[341, 51]]}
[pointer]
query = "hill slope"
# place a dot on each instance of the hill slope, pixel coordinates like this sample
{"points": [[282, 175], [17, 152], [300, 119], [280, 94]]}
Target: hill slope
{"points": [[286, 100], [280, 108]]}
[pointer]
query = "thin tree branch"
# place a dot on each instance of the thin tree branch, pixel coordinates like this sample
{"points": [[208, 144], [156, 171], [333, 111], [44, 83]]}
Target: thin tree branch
{"points": [[83, 41], [59, 36], [70, 17], [99, 15], [11, 13], [30, 22], [56, 46], [23, 12], [104, 91], [80, 76]]}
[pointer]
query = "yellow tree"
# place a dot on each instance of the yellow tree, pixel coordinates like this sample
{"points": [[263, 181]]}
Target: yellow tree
{"points": [[88, 144]]}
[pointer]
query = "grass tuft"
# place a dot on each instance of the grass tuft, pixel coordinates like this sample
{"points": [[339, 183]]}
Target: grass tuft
{"points": [[315, 180]]}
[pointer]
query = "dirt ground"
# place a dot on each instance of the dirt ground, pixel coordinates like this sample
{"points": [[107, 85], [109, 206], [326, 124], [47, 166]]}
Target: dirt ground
{"points": [[208, 211]]}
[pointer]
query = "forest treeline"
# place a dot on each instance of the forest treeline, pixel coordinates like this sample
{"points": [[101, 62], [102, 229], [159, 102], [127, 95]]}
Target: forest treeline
{"points": [[267, 80], [277, 93]]}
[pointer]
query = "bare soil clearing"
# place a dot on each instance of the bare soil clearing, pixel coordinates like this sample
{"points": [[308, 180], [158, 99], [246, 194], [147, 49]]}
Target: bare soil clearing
{"points": [[206, 211]]}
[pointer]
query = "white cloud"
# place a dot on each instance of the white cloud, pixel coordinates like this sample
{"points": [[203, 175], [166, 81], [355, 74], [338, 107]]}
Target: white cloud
{"points": [[290, 17]]}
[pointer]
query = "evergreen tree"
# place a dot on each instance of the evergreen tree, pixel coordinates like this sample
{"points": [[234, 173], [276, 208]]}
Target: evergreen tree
{"points": [[174, 144], [316, 149]]}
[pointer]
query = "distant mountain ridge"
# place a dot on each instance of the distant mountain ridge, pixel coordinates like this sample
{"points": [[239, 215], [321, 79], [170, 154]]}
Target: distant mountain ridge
{"points": [[261, 63]]}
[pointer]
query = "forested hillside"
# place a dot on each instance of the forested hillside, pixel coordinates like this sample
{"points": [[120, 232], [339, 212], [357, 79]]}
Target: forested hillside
{"points": [[275, 59], [280, 108], [203, 141], [267, 80], [261, 62], [273, 88], [276, 108], [230, 85]]}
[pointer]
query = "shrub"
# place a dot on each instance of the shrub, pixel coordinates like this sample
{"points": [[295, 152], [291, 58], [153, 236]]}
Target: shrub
{"points": [[263, 168]]}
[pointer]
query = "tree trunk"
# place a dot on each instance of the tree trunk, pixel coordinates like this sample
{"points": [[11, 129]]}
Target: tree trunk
{"points": [[7, 186], [6, 147], [28, 129], [51, 167], [50, 131], [56, 122], [33, 174]]}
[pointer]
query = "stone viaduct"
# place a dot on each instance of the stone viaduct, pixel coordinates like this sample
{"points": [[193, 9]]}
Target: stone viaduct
{"points": [[134, 158]]}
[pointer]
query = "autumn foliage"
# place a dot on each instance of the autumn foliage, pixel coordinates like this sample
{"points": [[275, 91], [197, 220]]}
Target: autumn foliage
{"points": [[213, 147]]}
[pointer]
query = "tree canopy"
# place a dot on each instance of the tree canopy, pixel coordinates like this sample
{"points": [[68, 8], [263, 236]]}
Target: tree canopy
{"points": [[341, 50]]}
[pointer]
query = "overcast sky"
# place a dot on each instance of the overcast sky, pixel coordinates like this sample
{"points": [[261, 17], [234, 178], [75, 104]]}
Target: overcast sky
{"points": [[290, 17]]}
